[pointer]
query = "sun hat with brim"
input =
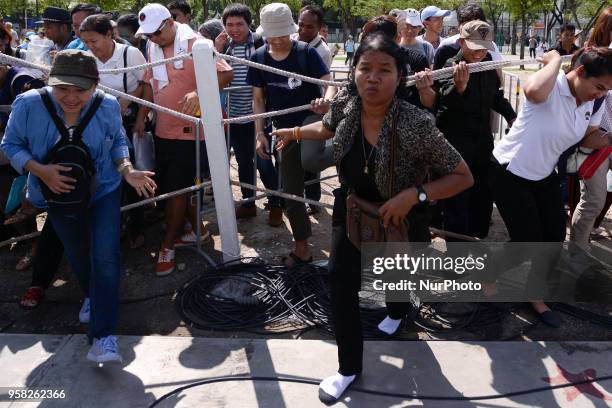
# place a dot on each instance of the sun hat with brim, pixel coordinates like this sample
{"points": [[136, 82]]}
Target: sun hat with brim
{"points": [[413, 18], [74, 67], [151, 18], [276, 21], [478, 35]]}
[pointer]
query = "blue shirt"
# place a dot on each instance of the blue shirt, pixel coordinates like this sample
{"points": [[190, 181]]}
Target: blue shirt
{"points": [[282, 92], [76, 44], [30, 134]]}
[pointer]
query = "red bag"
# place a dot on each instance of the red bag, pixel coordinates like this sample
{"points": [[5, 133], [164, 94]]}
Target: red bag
{"points": [[592, 162]]}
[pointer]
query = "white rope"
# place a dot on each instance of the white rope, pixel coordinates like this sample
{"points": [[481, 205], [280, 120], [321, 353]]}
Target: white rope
{"points": [[249, 118], [444, 73], [46, 69], [145, 66], [410, 81], [279, 71], [151, 105]]}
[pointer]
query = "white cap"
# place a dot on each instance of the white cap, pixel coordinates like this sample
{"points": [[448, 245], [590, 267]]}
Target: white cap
{"points": [[151, 18], [413, 17], [276, 21], [433, 11]]}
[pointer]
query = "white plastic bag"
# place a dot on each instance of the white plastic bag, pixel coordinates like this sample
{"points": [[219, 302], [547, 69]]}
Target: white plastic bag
{"points": [[144, 151]]}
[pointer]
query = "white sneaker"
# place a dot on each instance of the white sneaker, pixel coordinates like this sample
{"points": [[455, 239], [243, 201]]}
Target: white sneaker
{"points": [[190, 238], [85, 312], [105, 350]]}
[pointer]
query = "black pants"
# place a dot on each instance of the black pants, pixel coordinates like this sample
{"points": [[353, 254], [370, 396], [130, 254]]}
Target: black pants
{"points": [[533, 211], [532, 52], [48, 256], [242, 140], [345, 283], [312, 191], [469, 212]]}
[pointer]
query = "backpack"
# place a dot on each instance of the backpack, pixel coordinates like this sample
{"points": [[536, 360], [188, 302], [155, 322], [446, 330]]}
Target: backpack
{"points": [[70, 151], [302, 52]]}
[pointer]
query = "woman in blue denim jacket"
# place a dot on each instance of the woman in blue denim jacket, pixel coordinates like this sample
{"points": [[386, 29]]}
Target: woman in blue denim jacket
{"points": [[90, 237]]}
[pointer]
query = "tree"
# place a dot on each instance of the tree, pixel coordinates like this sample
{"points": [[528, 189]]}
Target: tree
{"points": [[493, 10], [524, 10]]}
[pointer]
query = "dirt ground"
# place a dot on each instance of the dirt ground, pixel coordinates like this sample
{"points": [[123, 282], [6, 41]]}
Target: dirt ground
{"points": [[147, 301]]}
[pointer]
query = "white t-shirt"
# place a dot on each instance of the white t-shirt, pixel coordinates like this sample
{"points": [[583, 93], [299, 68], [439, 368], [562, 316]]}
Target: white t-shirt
{"points": [[321, 46], [454, 40], [543, 131], [115, 81]]}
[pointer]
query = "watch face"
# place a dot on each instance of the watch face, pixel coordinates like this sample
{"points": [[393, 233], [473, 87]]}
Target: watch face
{"points": [[422, 197]]}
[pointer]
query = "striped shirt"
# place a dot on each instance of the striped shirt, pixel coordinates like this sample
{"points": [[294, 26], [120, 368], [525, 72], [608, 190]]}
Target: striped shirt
{"points": [[240, 101]]}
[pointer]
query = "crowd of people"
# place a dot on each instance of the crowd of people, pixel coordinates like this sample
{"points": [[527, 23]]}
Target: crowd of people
{"points": [[425, 152]]}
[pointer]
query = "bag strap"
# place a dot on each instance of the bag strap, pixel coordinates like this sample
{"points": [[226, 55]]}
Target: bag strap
{"points": [[125, 51], [302, 53], [53, 113], [393, 152], [98, 98], [44, 94]]}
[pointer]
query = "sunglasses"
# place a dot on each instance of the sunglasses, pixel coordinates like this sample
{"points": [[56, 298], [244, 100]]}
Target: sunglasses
{"points": [[159, 30]]}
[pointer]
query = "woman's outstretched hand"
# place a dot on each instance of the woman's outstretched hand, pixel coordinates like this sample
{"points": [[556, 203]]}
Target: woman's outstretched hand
{"points": [[283, 137], [142, 182]]}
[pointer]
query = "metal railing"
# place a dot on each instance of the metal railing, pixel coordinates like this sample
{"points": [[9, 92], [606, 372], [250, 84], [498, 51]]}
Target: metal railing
{"points": [[512, 92]]}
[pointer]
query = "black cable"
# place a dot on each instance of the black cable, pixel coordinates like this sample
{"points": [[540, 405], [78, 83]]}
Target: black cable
{"points": [[380, 393]]}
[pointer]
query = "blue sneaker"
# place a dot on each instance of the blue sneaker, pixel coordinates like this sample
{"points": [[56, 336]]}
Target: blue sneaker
{"points": [[85, 312], [105, 350]]}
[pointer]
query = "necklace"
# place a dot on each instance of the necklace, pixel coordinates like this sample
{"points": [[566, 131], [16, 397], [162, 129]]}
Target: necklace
{"points": [[366, 160]]}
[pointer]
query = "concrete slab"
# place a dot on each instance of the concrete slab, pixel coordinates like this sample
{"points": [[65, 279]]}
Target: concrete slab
{"points": [[155, 366]]}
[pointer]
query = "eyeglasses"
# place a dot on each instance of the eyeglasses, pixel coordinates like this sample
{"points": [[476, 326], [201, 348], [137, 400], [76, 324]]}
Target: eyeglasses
{"points": [[158, 31]]}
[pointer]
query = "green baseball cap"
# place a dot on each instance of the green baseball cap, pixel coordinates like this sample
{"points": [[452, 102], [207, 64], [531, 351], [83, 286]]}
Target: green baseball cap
{"points": [[74, 67]]}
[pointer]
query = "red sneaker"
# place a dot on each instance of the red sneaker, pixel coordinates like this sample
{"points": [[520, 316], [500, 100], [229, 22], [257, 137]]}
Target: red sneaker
{"points": [[165, 262], [32, 298]]}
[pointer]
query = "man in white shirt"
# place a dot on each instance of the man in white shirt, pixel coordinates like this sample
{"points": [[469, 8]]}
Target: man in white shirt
{"points": [[310, 21], [433, 20]]}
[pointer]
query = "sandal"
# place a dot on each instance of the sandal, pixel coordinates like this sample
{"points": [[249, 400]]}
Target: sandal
{"points": [[25, 262], [295, 260], [32, 298]]}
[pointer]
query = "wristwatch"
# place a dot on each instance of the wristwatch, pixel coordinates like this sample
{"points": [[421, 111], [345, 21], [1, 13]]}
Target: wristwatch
{"points": [[422, 195]]}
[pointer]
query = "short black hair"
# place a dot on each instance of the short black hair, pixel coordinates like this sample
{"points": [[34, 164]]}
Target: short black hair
{"points": [[470, 12], [568, 27], [237, 10], [129, 20], [180, 5], [99, 23], [86, 7], [314, 9]]}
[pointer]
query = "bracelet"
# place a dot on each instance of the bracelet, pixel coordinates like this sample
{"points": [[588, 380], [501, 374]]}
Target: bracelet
{"points": [[126, 164], [297, 134]]}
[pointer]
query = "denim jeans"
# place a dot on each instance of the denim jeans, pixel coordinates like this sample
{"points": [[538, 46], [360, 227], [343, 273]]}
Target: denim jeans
{"points": [[242, 140], [91, 242]]}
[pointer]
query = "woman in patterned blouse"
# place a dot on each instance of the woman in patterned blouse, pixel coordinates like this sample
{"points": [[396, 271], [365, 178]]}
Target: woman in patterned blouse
{"points": [[360, 120]]}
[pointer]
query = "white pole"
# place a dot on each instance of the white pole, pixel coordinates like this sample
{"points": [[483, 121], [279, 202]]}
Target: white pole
{"points": [[211, 117]]}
